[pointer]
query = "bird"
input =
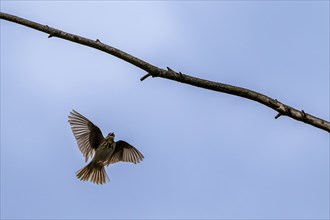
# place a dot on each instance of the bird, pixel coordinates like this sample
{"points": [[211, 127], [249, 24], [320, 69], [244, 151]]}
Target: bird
{"points": [[103, 151]]}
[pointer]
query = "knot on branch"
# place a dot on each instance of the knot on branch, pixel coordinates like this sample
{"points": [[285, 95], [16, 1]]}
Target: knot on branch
{"points": [[282, 109], [53, 33], [174, 73]]}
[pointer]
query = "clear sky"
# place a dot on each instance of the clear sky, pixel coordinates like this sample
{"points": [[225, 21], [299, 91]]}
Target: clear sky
{"points": [[207, 154]]}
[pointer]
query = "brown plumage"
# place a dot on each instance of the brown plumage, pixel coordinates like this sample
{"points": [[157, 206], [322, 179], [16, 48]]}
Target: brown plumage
{"points": [[104, 151]]}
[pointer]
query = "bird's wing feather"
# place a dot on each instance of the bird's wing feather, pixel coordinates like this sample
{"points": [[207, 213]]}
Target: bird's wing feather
{"points": [[126, 153], [88, 135]]}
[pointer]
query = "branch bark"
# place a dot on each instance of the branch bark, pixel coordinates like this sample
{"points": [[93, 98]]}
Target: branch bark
{"points": [[281, 108]]}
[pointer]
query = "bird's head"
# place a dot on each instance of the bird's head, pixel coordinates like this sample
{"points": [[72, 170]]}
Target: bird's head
{"points": [[110, 138], [111, 134]]}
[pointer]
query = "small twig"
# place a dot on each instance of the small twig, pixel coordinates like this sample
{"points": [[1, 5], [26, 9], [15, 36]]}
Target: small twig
{"points": [[51, 35], [278, 115], [169, 69], [175, 73], [145, 76]]}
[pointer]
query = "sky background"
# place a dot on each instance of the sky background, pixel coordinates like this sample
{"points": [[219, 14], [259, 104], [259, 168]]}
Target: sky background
{"points": [[207, 154]]}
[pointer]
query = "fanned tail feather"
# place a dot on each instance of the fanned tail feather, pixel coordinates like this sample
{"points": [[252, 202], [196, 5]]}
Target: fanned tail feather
{"points": [[93, 172]]}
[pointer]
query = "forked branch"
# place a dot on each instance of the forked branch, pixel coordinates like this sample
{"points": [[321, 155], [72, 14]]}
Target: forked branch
{"points": [[282, 109]]}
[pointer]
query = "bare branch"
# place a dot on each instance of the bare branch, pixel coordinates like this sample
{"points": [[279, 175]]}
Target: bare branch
{"points": [[282, 109]]}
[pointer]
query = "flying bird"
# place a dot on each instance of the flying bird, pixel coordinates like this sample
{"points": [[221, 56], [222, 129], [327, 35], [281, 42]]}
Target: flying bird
{"points": [[104, 151]]}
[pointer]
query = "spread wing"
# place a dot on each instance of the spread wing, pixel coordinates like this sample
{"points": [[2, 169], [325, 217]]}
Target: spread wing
{"points": [[88, 135], [126, 153]]}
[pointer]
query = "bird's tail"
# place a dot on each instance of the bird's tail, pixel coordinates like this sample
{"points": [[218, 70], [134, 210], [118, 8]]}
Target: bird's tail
{"points": [[94, 172]]}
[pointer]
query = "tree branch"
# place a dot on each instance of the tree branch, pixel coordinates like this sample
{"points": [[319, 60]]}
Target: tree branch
{"points": [[282, 109]]}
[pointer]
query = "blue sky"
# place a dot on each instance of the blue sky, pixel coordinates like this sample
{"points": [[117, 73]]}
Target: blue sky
{"points": [[207, 154]]}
